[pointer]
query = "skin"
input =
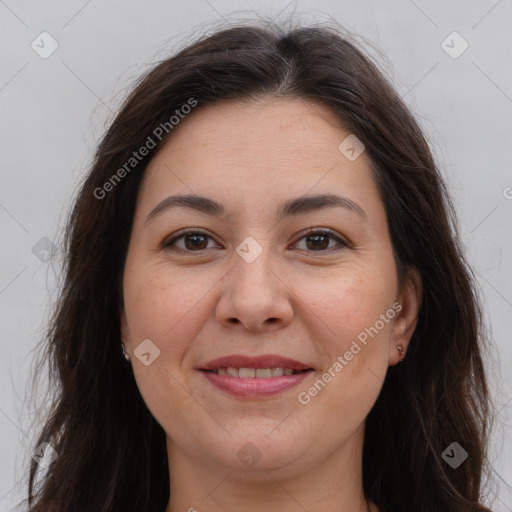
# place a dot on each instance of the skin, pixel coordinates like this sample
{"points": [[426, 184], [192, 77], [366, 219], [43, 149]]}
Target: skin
{"points": [[295, 300]]}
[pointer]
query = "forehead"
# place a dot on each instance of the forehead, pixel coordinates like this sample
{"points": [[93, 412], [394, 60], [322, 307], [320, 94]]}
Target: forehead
{"points": [[267, 128], [267, 149]]}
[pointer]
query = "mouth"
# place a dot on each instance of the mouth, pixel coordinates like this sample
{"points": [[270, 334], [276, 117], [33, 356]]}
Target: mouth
{"points": [[258, 373], [255, 377], [263, 364]]}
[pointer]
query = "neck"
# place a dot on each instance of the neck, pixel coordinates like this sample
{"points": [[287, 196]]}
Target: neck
{"points": [[334, 484]]}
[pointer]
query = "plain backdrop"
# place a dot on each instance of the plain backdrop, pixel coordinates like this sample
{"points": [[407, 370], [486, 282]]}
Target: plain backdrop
{"points": [[54, 111]]}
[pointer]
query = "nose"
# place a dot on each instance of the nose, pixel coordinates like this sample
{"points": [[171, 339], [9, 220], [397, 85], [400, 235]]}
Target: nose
{"points": [[255, 297]]}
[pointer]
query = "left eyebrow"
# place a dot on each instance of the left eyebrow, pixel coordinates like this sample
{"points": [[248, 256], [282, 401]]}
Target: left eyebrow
{"points": [[297, 206], [307, 204]]}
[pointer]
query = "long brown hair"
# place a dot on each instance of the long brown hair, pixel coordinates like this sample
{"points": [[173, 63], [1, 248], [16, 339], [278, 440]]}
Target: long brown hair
{"points": [[111, 451]]}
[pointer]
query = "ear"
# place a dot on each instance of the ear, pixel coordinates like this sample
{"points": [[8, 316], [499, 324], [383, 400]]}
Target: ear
{"points": [[409, 298]]}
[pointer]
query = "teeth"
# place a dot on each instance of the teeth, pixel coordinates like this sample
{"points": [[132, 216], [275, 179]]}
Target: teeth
{"points": [[251, 373], [246, 373]]}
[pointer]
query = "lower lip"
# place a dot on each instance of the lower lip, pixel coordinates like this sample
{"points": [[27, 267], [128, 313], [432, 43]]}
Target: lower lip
{"points": [[253, 387]]}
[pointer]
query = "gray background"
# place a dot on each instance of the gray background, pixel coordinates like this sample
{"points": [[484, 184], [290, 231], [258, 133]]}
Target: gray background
{"points": [[54, 111]]}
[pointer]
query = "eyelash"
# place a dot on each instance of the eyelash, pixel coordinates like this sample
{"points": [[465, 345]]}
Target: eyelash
{"points": [[310, 232]]}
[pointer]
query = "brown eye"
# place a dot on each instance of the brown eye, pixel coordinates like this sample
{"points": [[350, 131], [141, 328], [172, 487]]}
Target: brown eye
{"points": [[319, 240], [193, 241]]}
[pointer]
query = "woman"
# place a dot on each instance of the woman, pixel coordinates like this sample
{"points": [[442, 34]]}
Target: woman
{"points": [[265, 235]]}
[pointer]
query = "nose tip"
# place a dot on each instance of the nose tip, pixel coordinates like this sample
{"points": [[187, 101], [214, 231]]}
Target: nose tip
{"points": [[253, 297]]}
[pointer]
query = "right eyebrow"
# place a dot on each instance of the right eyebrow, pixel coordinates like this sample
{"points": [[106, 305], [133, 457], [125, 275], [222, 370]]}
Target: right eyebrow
{"points": [[193, 201]]}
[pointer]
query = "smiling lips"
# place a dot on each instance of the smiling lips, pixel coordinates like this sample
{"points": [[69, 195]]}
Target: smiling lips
{"points": [[255, 377]]}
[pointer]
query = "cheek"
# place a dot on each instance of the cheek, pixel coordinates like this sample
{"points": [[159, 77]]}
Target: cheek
{"points": [[350, 305], [163, 306], [355, 342], [353, 317]]}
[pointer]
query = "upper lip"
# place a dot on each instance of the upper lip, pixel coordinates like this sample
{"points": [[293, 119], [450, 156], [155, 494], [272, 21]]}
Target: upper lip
{"points": [[264, 361]]}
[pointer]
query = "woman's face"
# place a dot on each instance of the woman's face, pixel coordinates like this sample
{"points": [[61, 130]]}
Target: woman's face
{"points": [[254, 283]]}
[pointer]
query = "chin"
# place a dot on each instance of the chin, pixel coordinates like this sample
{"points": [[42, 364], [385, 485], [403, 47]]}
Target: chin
{"points": [[259, 451]]}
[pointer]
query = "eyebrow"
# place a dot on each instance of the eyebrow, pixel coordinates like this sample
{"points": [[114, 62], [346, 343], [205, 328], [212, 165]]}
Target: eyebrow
{"points": [[296, 206]]}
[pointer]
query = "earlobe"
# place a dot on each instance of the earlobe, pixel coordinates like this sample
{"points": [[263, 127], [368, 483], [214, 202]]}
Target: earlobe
{"points": [[407, 318], [124, 334]]}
